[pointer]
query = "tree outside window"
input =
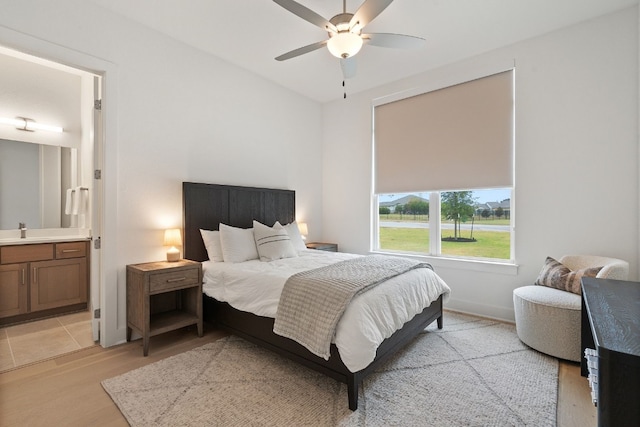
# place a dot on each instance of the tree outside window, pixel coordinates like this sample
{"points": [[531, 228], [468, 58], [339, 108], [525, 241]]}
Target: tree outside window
{"points": [[457, 206]]}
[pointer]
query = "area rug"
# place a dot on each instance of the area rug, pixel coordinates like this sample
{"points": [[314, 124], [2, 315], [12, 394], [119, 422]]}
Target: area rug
{"points": [[473, 372]]}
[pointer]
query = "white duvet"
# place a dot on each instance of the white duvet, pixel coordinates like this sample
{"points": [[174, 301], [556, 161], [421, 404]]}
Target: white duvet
{"points": [[255, 286]]}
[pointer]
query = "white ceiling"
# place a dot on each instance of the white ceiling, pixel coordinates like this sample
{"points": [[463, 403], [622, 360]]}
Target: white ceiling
{"points": [[251, 33]]}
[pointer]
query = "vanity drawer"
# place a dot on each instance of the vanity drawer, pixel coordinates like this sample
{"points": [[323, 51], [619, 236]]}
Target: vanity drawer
{"points": [[25, 253], [71, 250]]}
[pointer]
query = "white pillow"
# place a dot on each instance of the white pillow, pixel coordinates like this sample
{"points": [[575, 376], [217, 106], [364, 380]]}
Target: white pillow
{"points": [[272, 242], [294, 234], [211, 241], [237, 244]]}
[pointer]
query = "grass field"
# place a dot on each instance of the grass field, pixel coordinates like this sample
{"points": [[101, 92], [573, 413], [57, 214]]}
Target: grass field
{"points": [[489, 244]]}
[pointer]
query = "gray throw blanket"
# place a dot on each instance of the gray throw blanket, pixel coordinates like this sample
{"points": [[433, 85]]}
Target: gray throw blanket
{"points": [[312, 302]]}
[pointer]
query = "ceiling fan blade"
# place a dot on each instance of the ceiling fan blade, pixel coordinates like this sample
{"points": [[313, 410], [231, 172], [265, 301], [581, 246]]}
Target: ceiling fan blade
{"points": [[368, 11], [349, 67], [307, 14], [393, 40], [301, 51]]}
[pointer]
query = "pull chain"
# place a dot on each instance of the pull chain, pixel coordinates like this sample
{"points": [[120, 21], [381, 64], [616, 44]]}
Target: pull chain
{"points": [[345, 91]]}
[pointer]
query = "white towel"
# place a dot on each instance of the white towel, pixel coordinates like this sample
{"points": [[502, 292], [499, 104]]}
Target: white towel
{"points": [[68, 202], [75, 205]]}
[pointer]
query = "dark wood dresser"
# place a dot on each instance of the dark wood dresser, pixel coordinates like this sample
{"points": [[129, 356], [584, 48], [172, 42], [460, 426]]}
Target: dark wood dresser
{"points": [[611, 326]]}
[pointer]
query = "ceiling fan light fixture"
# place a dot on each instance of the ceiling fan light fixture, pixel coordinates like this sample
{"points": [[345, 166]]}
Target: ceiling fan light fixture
{"points": [[344, 44]]}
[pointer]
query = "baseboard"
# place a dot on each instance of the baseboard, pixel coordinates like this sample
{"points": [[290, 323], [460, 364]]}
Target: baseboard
{"points": [[484, 310]]}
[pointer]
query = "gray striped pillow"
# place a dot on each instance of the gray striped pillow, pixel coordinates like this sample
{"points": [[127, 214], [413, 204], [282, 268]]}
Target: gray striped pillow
{"points": [[557, 275], [272, 242]]}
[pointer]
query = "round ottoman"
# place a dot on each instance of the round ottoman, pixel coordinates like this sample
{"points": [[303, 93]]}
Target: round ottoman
{"points": [[548, 320]]}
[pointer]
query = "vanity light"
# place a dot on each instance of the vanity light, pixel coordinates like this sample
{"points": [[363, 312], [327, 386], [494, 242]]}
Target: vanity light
{"points": [[23, 123], [304, 230], [173, 238]]}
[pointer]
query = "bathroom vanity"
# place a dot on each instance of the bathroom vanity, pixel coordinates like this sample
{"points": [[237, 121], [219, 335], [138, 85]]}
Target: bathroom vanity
{"points": [[42, 278]]}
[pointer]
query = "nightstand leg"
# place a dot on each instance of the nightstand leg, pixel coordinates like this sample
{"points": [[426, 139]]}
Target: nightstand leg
{"points": [[200, 329], [128, 334], [145, 345]]}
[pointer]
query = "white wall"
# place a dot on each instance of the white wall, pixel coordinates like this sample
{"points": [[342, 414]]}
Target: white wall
{"points": [[181, 115], [576, 157]]}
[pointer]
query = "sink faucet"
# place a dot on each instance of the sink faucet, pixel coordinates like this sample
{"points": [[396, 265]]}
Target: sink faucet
{"points": [[23, 230]]}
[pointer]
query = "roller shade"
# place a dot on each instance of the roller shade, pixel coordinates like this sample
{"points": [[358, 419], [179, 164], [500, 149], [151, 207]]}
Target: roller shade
{"points": [[456, 138]]}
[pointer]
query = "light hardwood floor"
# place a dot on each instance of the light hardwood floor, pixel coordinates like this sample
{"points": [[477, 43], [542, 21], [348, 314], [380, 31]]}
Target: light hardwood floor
{"points": [[67, 391]]}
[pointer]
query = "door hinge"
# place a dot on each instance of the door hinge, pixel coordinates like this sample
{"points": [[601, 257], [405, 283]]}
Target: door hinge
{"points": [[97, 104], [96, 313], [97, 174], [97, 243]]}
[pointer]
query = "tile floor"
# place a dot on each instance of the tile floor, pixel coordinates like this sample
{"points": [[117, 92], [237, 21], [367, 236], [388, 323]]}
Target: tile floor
{"points": [[42, 339]]}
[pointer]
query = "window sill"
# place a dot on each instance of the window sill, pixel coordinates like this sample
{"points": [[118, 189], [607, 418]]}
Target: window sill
{"points": [[484, 266]]}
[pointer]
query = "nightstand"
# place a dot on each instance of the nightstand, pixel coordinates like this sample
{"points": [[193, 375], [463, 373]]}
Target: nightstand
{"points": [[163, 296], [329, 247]]}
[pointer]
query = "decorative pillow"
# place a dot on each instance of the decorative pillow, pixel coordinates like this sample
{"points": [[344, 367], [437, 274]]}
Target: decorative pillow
{"points": [[237, 244], [273, 242], [211, 241], [294, 234], [556, 275]]}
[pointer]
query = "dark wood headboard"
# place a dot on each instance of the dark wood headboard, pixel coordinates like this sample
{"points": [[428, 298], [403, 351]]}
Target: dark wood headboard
{"points": [[207, 205]]}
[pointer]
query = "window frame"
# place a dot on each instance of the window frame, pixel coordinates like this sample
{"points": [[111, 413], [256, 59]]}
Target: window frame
{"points": [[435, 257]]}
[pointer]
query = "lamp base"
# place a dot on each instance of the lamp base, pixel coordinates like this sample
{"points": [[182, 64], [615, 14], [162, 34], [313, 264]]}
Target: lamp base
{"points": [[173, 256]]}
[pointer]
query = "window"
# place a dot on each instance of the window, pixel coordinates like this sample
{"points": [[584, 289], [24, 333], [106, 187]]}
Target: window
{"points": [[443, 171], [471, 224]]}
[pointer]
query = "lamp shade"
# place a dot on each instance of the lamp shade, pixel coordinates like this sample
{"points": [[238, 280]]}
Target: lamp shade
{"points": [[304, 231], [344, 44], [172, 237]]}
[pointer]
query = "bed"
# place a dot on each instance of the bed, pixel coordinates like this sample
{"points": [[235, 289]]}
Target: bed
{"points": [[205, 206]]}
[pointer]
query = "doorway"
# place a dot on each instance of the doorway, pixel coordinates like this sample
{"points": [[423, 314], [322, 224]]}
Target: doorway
{"points": [[105, 263], [48, 91]]}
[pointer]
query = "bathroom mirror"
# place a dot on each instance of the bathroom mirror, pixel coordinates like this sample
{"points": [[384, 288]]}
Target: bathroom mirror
{"points": [[34, 179]]}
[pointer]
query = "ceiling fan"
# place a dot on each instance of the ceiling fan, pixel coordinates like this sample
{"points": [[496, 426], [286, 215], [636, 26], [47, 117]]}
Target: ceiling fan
{"points": [[345, 32]]}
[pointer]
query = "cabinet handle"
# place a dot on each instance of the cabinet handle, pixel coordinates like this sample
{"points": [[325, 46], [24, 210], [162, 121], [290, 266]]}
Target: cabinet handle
{"points": [[179, 279], [35, 275], [23, 275], [66, 251]]}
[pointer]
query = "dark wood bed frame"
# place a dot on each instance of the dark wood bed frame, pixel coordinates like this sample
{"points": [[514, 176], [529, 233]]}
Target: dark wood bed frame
{"points": [[205, 206]]}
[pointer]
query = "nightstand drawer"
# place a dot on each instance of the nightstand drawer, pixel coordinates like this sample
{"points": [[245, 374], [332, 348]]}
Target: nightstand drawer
{"points": [[161, 282]]}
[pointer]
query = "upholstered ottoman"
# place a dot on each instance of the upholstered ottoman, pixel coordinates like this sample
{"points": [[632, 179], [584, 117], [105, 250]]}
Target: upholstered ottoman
{"points": [[548, 320]]}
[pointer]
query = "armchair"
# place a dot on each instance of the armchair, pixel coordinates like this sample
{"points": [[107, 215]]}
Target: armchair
{"points": [[548, 319]]}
